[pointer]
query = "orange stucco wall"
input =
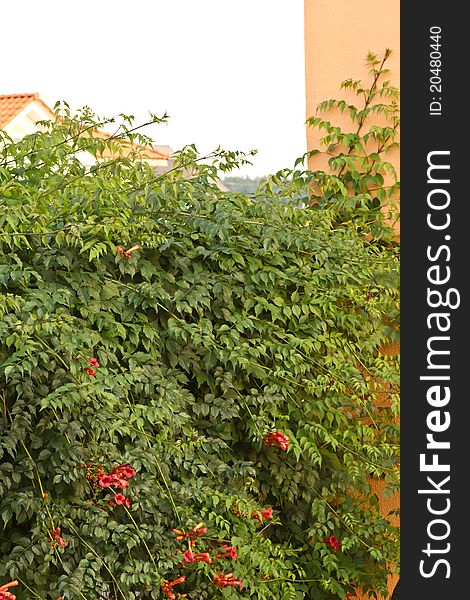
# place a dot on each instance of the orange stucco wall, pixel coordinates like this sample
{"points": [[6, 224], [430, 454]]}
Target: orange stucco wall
{"points": [[338, 36]]}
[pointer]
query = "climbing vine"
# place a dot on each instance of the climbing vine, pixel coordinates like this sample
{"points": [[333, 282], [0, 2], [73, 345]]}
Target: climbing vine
{"points": [[189, 380]]}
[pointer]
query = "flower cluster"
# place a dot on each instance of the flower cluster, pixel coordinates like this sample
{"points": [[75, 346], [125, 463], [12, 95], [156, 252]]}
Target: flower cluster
{"points": [[127, 253], [225, 551], [93, 473], [94, 364], [260, 515], [277, 438], [56, 537], [4, 593], [223, 580], [333, 542], [167, 588], [219, 551], [116, 478], [192, 535]]}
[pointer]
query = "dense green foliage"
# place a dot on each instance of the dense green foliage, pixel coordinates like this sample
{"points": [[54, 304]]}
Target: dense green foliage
{"points": [[236, 317], [350, 167]]}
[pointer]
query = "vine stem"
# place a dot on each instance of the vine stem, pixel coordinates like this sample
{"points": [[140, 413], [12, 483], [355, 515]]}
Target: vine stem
{"points": [[36, 595], [130, 287], [342, 521], [162, 475], [46, 506], [367, 100], [99, 558], [129, 514], [38, 476]]}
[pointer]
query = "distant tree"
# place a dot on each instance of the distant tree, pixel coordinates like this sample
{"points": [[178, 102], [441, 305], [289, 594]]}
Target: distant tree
{"points": [[244, 185]]}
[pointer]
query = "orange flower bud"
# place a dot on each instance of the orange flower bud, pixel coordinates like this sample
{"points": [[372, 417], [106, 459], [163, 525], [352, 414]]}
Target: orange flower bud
{"points": [[10, 584], [128, 252]]}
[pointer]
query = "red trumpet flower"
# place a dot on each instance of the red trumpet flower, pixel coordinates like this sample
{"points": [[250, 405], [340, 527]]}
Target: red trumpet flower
{"points": [[260, 515], [120, 499], [127, 253], [277, 438], [224, 580], [168, 585], [4, 593], [229, 552], [124, 470], [333, 542], [190, 557], [105, 481], [56, 537]]}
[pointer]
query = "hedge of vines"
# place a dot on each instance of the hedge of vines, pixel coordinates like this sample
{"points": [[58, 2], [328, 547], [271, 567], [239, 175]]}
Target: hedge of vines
{"points": [[189, 382]]}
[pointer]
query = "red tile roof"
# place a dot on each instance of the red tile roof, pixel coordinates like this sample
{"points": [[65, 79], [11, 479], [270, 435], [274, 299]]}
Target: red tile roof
{"points": [[12, 104]]}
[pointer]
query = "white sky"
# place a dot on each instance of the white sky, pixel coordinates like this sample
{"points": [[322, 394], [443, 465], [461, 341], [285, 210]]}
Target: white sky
{"points": [[228, 72]]}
